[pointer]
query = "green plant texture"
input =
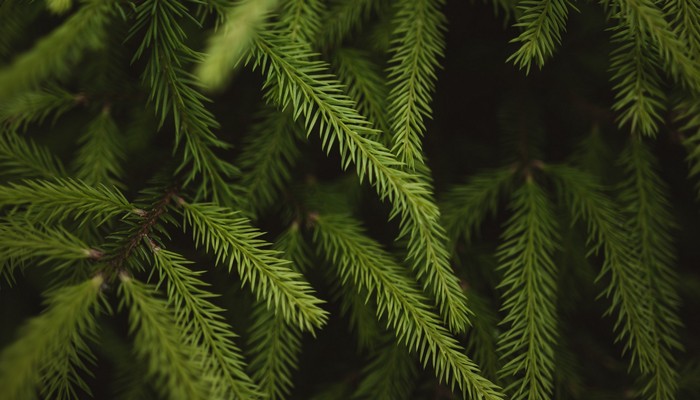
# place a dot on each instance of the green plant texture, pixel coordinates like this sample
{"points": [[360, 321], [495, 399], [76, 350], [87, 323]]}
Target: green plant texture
{"points": [[349, 199]]}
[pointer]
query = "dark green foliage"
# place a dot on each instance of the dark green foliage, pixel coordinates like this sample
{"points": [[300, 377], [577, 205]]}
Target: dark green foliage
{"points": [[349, 199]]}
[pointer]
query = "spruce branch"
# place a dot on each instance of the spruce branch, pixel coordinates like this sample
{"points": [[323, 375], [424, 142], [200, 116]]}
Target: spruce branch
{"points": [[542, 23], [172, 91], [22, 241], [647, 20], [341, 19], [269, 152], [275, 344], [235, 242], [628, 288], [101, 152], [466, 206], [301, 19], [35, 106], [54, 56], [418, 43], [362, 261], [204, 326], [293, 80], [51, 348], [61, 198], [22, 158], [643, 194], [639, 96], [275, 347], [365, 84], [529, 286], [160, 343]]}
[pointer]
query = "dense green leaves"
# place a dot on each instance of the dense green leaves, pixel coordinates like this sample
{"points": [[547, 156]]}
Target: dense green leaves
{"points": [[529, 289], [235, 242]]}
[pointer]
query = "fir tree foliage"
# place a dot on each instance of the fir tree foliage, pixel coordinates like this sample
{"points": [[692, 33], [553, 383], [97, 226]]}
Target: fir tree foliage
{"points": [[148, 147]]}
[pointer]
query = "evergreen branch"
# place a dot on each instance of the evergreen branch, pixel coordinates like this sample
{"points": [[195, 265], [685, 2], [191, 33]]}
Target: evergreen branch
{"points": [[530, 294], [361, 314], [301, 19], [628, 287], [269, 152], [22, 158], [417, 45], [58, 199], [51, 347], [293, 80], [21, 241], [390, 375], [100, 154], [275, 347], [35, 106], [275, 344], [542, 23], [159, 341], [205, 326], [362, 261], [234, 241], [644, 196], [466, 206], [229, 44], [648, 22], [341, 18], [685, 16], [638, 96], [172, 92], [54, 56], [365, 84]]}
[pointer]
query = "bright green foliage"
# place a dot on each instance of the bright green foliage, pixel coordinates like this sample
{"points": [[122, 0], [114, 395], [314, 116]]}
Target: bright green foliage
{"points": [[361, 260], [235, 242], [59, 199], [51, 347], [416, 46], [542, 23], [204, 327], [100, 155], [275, 343], [529, 287], [157, 340], [311, 92], [232, 40], [144, 145]]}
